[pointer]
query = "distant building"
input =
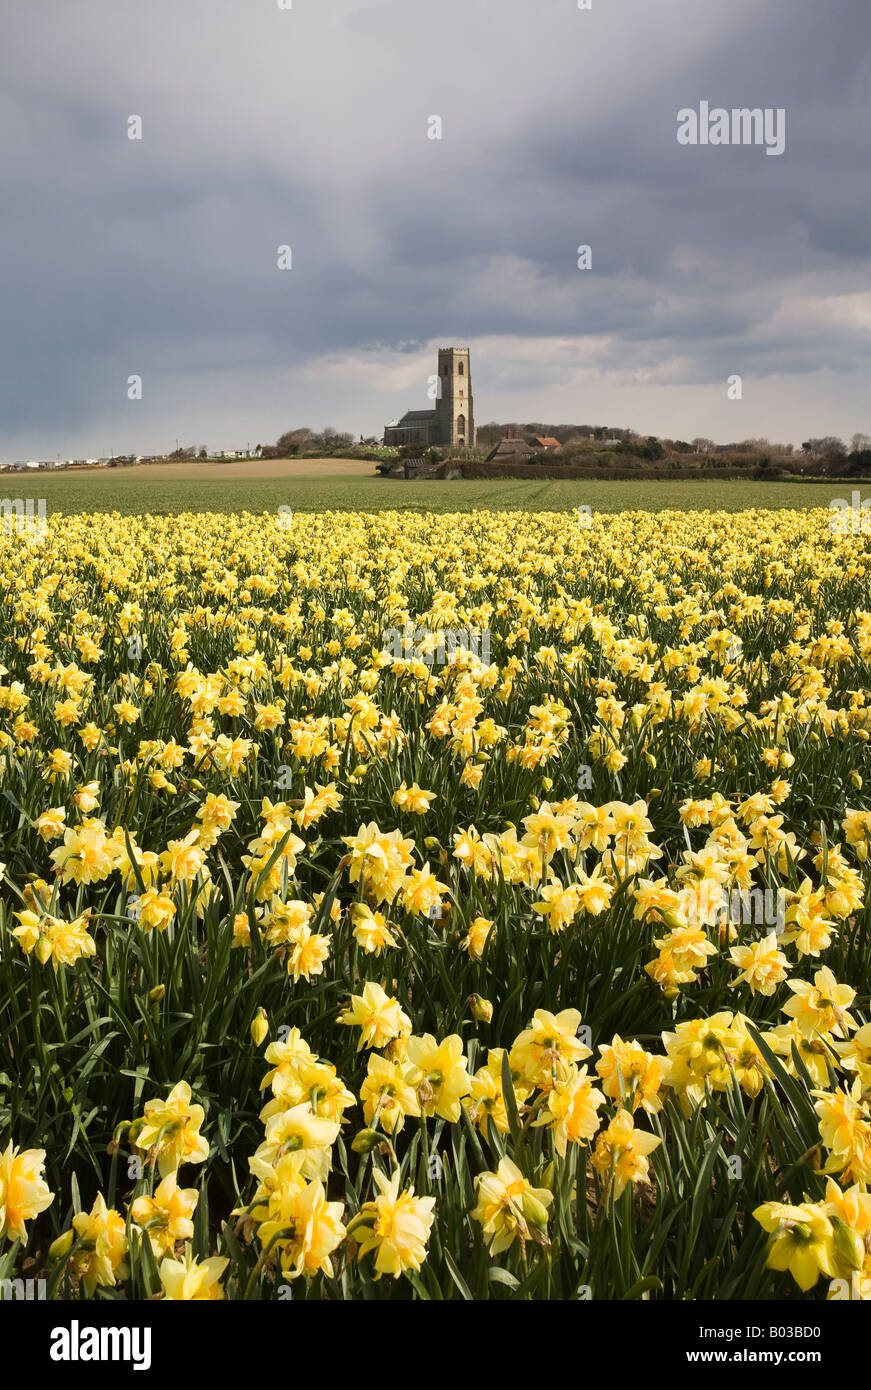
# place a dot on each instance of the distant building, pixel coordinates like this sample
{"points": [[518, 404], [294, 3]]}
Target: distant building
{"points": [[511, 450], [547, 441], [452, 423]]}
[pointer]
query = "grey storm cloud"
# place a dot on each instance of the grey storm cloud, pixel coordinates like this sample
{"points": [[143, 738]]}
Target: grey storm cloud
{"points": [[308, 127]]}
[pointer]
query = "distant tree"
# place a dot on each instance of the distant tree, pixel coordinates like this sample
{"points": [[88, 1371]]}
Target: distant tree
{"points": [[701, 445], [652, 448], [292, 441], [828, 444], [330, 439], [859, 464], [204, 453], [859, 443]]}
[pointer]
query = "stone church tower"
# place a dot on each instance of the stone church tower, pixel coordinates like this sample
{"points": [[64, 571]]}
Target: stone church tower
{"points": [[452, 424], [455, 419]]}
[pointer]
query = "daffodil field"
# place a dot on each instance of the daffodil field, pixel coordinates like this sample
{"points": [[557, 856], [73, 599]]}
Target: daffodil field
{"points": [[528, 968]]}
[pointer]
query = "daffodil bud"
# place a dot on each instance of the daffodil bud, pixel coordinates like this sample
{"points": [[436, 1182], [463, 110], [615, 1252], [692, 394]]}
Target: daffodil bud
{"points": [[432, 843], [61, 1246], [673, 917], [848, 1243], [855, 780], [547, 784], [534, 1211], [482, 1009], [364, 1141], [259, 1027], [155, 995]]}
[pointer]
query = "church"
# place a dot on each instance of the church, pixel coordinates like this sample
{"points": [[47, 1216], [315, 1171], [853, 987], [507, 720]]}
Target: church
{"points": [[452, 424]]}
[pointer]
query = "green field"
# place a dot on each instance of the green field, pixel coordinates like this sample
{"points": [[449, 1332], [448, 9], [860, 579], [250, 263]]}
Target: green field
{"points": [[113, 492]]}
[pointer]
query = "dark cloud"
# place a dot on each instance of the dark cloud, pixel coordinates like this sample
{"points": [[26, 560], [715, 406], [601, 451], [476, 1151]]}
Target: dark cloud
{"points": [[308, 127]]}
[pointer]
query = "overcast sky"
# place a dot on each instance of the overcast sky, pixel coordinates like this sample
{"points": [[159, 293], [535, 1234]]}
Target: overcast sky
{"points": [[308, 127]]}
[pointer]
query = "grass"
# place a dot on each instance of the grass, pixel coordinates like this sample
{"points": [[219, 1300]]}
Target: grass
{"points": [[131, 496]]}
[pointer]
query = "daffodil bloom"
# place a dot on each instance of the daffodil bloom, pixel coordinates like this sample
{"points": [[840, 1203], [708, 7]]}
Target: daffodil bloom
{"points": [[630, 1076], [100, 1260], [166, 1217], [422, 890], [50, 824], [845, 1130], [549, 1048], [821, 1008], [509, 1207], [387, 1095], [413, 799], [370, 929], [851, 1206], [379, 1017], [24, 1192], [438, 1072], [547, 832], [763, 967], [688, 947], [816, 1054], [84, 856], [558, 904], [593, 891], [621, 1152], [802, 1241], [191, 1280], [486, 1102], [51, 939], [476, 938], [571, 1111], [299, 1131], [304, 1227], [379, 860], [156, 910], [285, 921], [285, 1058], [183, 859], [396, 1225], [86, 798], [172, 1127], [307, 953]]}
